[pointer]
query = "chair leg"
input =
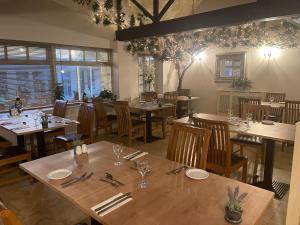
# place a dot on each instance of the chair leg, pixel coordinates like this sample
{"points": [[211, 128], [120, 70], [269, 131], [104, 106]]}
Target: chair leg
{"points": [[145, 136], [244, 172]]}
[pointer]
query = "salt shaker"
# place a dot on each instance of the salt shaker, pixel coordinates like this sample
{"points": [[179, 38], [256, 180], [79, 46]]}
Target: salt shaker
{"points": [[84, 148], [78, 150]]}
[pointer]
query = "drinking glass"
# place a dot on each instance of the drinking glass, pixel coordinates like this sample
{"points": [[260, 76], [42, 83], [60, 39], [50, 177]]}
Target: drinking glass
{"points": [[271, 100], [118, 149], [143, 169], [248, 118]]}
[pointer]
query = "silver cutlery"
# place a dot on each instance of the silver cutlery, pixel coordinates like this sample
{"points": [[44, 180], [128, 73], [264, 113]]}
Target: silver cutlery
{"points": [[110, 177], [177, 170], [109, 181], [76, 178], [75, 181], [134, 155], [113, 203]]}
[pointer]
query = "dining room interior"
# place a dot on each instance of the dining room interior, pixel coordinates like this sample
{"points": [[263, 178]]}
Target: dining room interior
{"points": [[149, 112]]}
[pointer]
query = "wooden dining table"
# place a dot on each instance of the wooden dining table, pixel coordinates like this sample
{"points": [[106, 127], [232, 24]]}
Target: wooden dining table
{"points": [[168, 199], [17, 127], [270, 133]]}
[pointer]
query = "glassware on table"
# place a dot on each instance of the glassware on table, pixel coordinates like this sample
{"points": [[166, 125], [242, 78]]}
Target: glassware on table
{"points": [[143, 169], [117, 150], [230, 115], [248, 118], [272, 99]]}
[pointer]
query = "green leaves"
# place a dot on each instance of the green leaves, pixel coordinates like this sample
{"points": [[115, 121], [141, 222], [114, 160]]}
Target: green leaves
{"points": [[235, 200]]}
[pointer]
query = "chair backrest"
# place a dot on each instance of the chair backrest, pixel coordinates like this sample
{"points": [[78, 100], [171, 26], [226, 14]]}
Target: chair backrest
{"points": [[189, 145], [259, 112], [243, 101], [167, 112], [278, 97], [123, 116], [85, 119], [184, 92], [149, 96], [60, 108], [170, 97], [99, 110], [292, 112], [7, 216], [219, 151]]}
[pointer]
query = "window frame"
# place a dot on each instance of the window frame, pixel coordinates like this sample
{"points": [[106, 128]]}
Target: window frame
{"points": [[51, 57], [242, 56]]}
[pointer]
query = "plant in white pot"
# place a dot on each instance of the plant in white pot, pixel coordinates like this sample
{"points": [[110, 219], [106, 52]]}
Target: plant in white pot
{"points": [[233, 208]]}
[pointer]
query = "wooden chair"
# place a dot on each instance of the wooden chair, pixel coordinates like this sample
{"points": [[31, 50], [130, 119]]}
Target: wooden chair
{"points": [[220, 158], [170, 97], [165, 116], [278, 97], [276, 113], [259, 113], [60, 108], [10, 157], [291, 115], [103, 120], [243, 101], [184, 92], [127, 125], [189, 145], [7, 216], [149, 96], [84, 129]]}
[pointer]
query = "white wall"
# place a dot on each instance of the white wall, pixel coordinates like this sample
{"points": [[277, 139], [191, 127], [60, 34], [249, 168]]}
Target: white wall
{"points": [[281, 74]]}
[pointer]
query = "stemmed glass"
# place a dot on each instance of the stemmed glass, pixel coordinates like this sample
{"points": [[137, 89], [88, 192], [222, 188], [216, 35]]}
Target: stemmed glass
{"points": [[272, 99], [248, 118], [118, 149], [143, 169]]}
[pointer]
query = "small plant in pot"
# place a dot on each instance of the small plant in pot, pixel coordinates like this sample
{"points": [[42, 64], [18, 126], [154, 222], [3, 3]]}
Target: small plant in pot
{"points": [[233, 208], [241, 83], [44, 121], [107, 94]]}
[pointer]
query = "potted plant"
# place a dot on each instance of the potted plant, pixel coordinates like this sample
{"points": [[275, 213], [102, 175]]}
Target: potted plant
{"points": [[107, 94], [241, 83], [233, 208]]}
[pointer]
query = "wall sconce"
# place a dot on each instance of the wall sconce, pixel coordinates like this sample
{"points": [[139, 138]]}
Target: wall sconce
{"points": [[200, 56], [270, 52]]}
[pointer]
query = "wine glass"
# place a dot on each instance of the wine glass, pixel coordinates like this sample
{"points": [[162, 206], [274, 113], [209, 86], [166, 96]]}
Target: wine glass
{"points": [[248, 118], [272, 99], [143, 169], [117, 150]]}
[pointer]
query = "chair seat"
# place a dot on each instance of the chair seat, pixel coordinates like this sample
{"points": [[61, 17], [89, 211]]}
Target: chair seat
{"points": [[137, 122], [11, 151], [111, 117], [70, 137], [244, 139]]}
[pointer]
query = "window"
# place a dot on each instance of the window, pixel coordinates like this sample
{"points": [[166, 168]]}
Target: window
{"points": [[146, 79], [27, 70], [230, 66]]}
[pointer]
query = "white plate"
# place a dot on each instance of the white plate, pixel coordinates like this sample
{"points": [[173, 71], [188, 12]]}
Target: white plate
{"points": [[59, 174], [197, 174]]}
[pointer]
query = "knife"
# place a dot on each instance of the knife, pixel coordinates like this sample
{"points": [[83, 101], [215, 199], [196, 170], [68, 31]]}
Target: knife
{"points": [[75, 181], [177, 170], [131, 154], [66, 182], [113, 203], [109, 181], [136, 155]]}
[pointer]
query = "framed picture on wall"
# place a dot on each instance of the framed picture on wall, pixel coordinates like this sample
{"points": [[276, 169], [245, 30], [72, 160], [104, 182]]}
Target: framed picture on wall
{"points": [[230, 66]]}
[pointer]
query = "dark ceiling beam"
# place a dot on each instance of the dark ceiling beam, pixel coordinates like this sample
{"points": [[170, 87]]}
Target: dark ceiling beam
{"points": [[155, 11], [140, 7], [165, 9], [228, 16]]}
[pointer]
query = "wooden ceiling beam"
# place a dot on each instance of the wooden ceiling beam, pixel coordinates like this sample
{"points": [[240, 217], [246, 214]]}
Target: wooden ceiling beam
{"points": [[165, 8], [228, 16], [144, 11]]}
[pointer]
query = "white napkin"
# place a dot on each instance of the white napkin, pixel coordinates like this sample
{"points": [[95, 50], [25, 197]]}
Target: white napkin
{"points": [[113, 208], [140, 155]]}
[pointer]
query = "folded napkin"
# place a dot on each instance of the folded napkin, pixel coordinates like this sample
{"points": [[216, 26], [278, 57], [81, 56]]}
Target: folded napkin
{"points": [[136, 157], [112, 208]]}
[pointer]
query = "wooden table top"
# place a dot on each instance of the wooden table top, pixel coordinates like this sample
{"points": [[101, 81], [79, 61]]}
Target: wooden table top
{"points": [[30, 127], [277, 131], [168, 200], [149, 107]]}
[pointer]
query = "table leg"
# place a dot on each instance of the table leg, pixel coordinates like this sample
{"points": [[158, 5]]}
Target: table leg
{"points": [[278, 188], [148, 126], [95, 222], [41, 146], [21, 141]]}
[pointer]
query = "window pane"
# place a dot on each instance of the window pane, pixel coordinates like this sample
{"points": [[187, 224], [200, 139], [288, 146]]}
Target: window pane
{"points": [[102, 56], [36, 53], [85, 81], [106, 78], [32, 82], [76, 55], [16, 52], [90, 56], [62, 55], [2, 53], [67, 76]]}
